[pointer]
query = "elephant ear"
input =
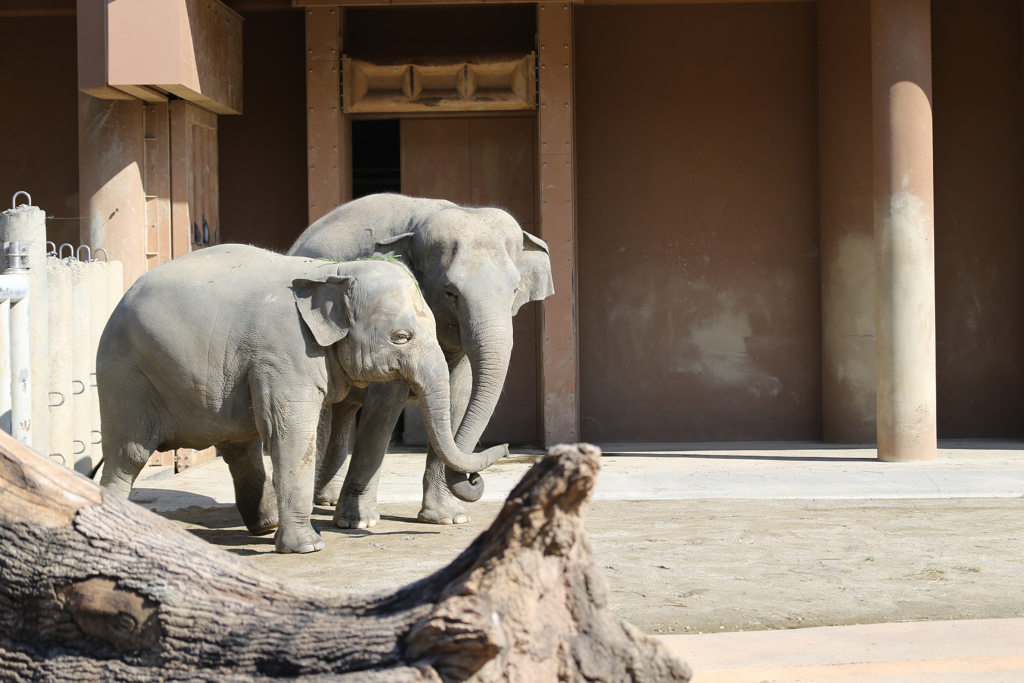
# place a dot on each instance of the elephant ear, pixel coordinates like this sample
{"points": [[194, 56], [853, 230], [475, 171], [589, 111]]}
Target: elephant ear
{"points": [[534, 271], [399, 247], [324, 307]]}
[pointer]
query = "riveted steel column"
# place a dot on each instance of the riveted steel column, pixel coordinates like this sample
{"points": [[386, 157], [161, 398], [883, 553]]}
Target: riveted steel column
{"points": [[328, 130], [904, 229], [560, 365]]}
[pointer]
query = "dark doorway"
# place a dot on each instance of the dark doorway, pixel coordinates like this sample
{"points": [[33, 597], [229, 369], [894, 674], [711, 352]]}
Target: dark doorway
{"points": [[376, 157]]}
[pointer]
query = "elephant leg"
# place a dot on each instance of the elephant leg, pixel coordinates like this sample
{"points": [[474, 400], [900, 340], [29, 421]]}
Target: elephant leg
{"points": [[382, 404], [254, 490], [329, 479], [128, 443], [440, 506], [294, 444]]}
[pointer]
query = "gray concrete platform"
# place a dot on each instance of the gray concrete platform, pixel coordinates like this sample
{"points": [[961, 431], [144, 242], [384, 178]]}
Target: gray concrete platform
{"points": [[782, 470]]}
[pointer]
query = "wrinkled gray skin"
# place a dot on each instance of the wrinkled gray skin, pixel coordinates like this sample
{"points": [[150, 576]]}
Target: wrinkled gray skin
{"points": [[476, 268], [247, 350]]}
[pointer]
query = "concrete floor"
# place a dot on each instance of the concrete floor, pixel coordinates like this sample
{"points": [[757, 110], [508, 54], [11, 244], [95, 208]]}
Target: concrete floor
{"points": [[734, 545]]}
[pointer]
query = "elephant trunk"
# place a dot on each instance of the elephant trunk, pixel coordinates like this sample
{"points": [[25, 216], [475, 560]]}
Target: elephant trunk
{"points": [[430, 383], [488, 344]]}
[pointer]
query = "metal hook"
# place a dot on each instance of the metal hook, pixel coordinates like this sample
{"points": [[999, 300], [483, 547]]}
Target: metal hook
{"points": [[106, 256], [83, 446], [60, 252], [62, 399], [14, 199], [88, 251], [51, 248], [63, 460]]}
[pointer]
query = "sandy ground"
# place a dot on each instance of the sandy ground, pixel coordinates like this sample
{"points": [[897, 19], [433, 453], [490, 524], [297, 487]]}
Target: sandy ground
{"points": [[707, 564]]}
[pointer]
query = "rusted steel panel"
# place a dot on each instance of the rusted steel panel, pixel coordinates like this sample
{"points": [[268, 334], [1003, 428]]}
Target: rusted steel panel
{"points": [[699, 266], [979, 243], [503, 153], [436, 159], [324, 141]]}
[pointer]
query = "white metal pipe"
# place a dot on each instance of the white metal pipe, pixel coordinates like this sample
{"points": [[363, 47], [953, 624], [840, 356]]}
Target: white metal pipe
{"points": [[27, 224], [21, 372], [13, 286]]}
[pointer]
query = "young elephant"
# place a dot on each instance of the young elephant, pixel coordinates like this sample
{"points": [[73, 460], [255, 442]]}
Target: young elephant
{"points": [[245, 349]]}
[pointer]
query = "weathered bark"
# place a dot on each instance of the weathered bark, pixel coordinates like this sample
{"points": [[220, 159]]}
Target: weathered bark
{"points": [[92, 587]]}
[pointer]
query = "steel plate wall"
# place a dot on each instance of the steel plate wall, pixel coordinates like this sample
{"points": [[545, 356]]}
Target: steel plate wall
{"points": [[697, 204]]}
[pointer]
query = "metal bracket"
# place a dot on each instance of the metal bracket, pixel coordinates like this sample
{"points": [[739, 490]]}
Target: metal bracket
{"points": [[14, 199]]}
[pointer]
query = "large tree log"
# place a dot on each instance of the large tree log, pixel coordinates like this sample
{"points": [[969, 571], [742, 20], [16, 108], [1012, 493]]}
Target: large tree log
{"points": [[92, 587]]}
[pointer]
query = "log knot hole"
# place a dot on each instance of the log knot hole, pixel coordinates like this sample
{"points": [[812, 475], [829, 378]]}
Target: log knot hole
{"points": [[121, 616]]}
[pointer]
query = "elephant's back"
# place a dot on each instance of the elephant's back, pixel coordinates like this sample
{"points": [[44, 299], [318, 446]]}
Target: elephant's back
{"points": [[206, 297], [352, 230]]}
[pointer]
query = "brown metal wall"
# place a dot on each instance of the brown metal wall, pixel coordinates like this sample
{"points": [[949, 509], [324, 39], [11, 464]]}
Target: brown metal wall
{"points": [[979, 210], [263, 151], [697, 206], [39, 117]]}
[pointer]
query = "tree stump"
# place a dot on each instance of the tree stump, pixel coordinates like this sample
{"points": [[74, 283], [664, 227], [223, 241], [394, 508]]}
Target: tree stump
{"points": [[93, 587]]}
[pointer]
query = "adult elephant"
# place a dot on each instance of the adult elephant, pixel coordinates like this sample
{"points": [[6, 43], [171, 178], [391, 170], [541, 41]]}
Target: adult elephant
{"points": [[476, 267]]}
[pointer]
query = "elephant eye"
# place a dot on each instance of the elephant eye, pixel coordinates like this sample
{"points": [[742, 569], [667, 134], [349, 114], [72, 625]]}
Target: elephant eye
{"points": [[401, 337]]}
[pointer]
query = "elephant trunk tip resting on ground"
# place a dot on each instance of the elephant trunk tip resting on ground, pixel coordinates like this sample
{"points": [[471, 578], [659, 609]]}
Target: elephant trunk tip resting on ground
{"points": [[476, 267], [247, 350]]}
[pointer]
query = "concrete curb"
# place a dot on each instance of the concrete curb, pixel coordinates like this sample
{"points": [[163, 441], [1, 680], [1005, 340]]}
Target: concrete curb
{"points": [[967, 650]]}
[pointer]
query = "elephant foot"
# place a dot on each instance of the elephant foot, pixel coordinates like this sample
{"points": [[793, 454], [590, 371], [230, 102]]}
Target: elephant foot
{"points": [[260, 517], [328, 496], [263, 530], [298, 539], [351, 513], [454, 514], [440, 506]]}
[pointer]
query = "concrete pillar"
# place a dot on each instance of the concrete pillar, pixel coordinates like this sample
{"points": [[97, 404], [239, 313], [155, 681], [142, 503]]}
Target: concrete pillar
{"points": [[61, 416], [111, 156], [81, 403], [847, 221], [28, 224], [904, 228], [99, 311]]}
